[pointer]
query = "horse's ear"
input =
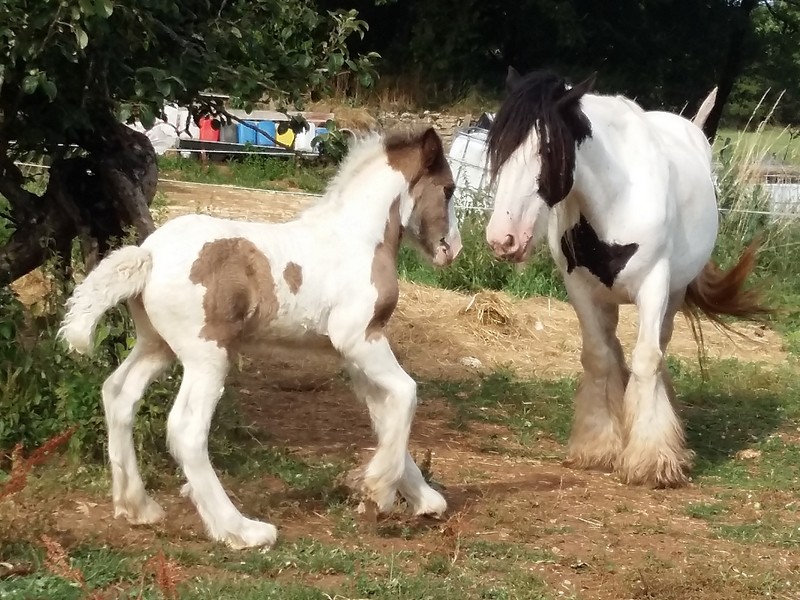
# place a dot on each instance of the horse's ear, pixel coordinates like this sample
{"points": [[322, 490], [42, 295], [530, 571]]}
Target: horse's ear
{"points": [[512, 79], [572, 95], [431, 147]]}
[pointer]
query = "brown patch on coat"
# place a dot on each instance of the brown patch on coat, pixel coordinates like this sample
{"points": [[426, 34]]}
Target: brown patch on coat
{"points": [[293, 276], [240, 290], [384, 273], [420, 158]]}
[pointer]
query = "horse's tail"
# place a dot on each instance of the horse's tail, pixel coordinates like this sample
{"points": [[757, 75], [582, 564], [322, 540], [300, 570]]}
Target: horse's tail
{"points": [[119, 276], [705, 109], [715, 292]]}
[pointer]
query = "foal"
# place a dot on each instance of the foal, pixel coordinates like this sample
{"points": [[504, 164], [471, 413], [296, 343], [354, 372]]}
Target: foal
{"points": [[201, 289], [628, 203]]}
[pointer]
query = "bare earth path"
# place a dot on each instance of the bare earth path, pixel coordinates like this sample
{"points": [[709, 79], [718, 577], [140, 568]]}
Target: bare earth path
{"points": [[583, 533]]}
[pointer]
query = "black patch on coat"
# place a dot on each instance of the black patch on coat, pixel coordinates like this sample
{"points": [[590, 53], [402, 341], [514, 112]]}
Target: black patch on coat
{"points": [[583, 248]]}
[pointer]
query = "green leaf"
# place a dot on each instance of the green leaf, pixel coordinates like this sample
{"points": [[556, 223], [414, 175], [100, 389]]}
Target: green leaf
{"points": [[164, 87], [80, 35], [30, 83], [125, 111], [236, 33], [147, 117], [86, 7], [49, 88], [104, 7]]}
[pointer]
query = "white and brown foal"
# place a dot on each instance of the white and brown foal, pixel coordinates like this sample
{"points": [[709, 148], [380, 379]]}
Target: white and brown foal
{"points": [[201, 289]]}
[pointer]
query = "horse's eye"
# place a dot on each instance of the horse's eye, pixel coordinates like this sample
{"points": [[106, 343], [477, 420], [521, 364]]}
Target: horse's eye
{"points": [[448, 191]]}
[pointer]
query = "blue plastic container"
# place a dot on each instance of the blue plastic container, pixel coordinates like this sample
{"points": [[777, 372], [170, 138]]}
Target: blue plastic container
{"points": [[320, 132], [269, 127], [245, 133]]}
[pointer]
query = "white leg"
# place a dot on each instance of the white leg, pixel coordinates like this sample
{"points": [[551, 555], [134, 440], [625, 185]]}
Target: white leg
{"points": [[187, 433], [422, 498], [122, 392], [391, 411], [595, 439], [655, 452]]}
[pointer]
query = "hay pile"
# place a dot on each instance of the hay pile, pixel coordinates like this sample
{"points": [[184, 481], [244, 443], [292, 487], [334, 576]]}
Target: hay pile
{"points": [[438, 332]]}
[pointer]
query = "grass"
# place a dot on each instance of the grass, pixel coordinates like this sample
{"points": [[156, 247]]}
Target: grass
{"points": [[252, 171], [782, 143], [735, 407]]}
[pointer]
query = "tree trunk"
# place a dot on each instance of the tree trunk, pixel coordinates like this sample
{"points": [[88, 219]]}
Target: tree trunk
{"points": [[98, 197], [732, 67]]}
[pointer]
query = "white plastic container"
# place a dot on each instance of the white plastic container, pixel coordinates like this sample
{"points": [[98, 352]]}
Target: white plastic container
{"points": [[302, 141], [468, 161]]}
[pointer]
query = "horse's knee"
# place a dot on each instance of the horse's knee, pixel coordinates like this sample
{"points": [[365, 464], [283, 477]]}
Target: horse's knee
{"points": [[646, 361]]}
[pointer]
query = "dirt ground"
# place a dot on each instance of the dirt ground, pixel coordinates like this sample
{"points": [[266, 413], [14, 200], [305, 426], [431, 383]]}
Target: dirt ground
{"points": [[602, 539]]}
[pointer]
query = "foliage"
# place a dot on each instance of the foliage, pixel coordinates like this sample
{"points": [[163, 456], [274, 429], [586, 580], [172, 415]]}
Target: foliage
{"points": [[67, 65], [44, 391], [253, 171], [477, 269]]}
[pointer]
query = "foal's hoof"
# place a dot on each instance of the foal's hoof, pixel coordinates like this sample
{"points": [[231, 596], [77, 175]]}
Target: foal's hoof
{"points": [[145, 513], [382, 497], [432, 504], [252, 534]]}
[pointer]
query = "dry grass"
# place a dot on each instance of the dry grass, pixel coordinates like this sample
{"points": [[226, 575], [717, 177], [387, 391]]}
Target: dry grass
{"points": [[435, 331], [21, 467]]}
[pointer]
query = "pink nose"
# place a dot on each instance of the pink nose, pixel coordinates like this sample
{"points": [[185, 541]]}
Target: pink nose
{"points": [[506, 248]]}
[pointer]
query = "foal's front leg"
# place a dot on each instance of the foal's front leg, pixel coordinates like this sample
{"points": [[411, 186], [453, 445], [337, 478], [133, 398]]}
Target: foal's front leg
{"points": [[655, 450], [596, 440], [422, 498], [391, 408]]}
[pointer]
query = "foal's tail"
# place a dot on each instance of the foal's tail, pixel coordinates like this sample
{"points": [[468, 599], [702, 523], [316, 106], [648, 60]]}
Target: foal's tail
{"points": [[716, 293], [119, 276], [705, 109]]}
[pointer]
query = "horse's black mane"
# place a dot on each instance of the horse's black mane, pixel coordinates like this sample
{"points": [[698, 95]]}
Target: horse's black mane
{"points": [[542, 100]]}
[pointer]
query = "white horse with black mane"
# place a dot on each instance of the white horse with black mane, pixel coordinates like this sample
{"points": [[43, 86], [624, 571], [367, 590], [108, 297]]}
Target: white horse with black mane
{"points": [[628, 204], [201, 289]]}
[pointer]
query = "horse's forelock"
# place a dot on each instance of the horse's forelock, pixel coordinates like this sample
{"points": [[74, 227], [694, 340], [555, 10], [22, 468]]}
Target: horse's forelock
{"points": [[533, 105]]}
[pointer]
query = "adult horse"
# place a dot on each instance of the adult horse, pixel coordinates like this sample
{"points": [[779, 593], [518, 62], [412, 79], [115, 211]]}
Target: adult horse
{"points": [[202, 289], [628, 204]]}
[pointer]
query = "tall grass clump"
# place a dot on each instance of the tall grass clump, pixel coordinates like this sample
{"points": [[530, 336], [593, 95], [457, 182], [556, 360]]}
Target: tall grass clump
{"points": [[745, 208], [477, 269]]}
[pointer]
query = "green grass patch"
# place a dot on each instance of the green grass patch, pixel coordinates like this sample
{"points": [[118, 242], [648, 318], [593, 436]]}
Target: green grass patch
{"points": [[782, 143], [733, 406], [101, 568], [532, 408], [252, 171], [476, 268]]}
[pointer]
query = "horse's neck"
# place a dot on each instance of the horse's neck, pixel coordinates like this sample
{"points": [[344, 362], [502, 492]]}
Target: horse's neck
{"points": [[361, 206], [598, 179]]}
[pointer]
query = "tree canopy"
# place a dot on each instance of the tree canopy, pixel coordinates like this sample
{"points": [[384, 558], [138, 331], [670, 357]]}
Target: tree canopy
{"points": [[664, 53], [72, 70]]}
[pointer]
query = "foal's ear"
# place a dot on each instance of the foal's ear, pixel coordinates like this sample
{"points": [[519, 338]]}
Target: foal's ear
{"points": [[572, 95], [431, 147], [512, 79]]}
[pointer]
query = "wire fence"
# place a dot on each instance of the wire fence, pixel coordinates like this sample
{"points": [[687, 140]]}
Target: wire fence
{"points": [[473, 193]]}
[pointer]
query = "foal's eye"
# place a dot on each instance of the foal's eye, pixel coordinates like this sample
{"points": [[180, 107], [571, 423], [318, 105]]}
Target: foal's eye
{"points": [[448, 191]]}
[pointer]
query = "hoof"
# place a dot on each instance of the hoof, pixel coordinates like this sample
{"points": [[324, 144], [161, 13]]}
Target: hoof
{"points": [[251, 534], [145, 513]]}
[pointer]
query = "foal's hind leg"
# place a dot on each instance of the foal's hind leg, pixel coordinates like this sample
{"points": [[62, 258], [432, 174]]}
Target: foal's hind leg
{"points": [[595, 440], [205, 369], [422, 498], [655, 449], [122, 392]]}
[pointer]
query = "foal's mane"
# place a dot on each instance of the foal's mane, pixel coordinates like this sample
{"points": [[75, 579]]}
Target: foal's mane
{"points": [[541, 101], [364, 149]]}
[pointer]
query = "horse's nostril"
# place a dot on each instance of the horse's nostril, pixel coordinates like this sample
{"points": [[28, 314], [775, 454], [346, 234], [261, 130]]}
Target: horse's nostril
{"points": [[509, 243]]}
